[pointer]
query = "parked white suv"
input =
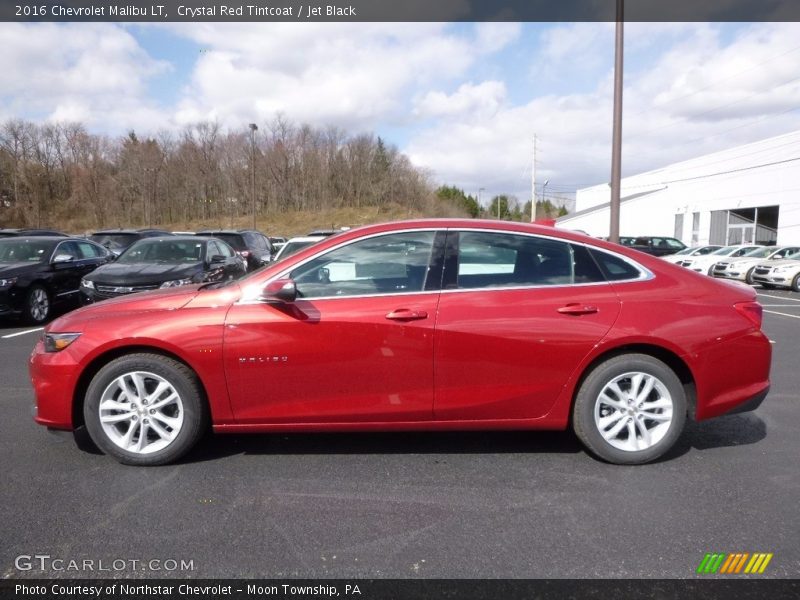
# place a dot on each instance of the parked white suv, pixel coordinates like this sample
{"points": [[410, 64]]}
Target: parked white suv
{"points": [[742, 267]]}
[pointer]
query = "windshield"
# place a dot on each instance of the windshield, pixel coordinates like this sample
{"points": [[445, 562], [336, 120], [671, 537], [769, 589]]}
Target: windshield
{"points": [[293, 247], [16, 250], [725, 251], [760, 253], [163, 251], [114, 241]]}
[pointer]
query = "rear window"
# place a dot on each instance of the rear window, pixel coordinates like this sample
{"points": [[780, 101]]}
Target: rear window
{"points": [[615, 268], [233, 239]]}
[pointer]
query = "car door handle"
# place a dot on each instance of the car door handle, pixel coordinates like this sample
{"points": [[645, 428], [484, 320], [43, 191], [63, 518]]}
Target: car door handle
{"points": [[577, 309], [404, 314]]}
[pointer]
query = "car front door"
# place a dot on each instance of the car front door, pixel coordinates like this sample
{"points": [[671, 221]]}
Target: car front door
{"points": [[517, 314], [356, 345]]}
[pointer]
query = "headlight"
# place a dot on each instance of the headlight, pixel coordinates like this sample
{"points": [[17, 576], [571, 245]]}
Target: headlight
{"points": [[56, 342], [87, 284], [4, 283], [784, 269], [177, 282]]}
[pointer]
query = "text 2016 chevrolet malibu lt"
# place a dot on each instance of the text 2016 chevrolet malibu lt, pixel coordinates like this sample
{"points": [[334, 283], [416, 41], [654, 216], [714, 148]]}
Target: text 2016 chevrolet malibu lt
{"points": [[418, 325]]}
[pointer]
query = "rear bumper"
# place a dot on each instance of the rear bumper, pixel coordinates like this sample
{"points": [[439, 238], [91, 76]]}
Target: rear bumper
{"points": [[732, 375], [751, 404]]}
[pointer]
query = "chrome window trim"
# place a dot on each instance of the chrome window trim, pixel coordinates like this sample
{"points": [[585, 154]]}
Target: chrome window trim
{"points": [[644, 273]]}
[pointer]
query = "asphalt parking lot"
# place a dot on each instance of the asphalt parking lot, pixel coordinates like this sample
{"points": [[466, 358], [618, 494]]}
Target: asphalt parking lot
{"points": [[480, 505]]}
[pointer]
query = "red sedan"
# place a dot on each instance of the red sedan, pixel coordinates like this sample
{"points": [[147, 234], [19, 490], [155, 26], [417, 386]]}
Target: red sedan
{"points": [[422, 325]]}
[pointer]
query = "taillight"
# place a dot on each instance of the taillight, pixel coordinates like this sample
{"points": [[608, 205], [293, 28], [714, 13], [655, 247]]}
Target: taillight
{"points": [[753, 311]]}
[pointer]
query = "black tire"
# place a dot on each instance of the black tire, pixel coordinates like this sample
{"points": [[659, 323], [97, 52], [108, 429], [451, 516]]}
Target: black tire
{"points": [[796, 283], [38, 305], [184, 382], [748, 278], [583, 412]]}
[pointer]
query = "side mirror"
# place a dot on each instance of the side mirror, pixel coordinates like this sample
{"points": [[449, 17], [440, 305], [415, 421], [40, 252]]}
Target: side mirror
{"points": [[217, 258], [62, 258], [280, 291]]}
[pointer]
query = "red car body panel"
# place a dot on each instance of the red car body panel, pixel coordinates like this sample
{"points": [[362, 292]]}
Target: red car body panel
{"points": [[480, 359]]}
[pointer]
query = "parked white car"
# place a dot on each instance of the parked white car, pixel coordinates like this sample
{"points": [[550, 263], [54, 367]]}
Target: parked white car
{"points": [[296, 244], [778, 273], [695, 251], [704, 264], [743, 267]]}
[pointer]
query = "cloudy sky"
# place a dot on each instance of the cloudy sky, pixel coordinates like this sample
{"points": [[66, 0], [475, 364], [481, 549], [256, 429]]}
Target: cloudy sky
{"points": [[462, 100]]}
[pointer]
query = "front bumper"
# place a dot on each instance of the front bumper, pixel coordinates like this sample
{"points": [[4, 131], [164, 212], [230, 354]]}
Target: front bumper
{"points": [[53, 375]]}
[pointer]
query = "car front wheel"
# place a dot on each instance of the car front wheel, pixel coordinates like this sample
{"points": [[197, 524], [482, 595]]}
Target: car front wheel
{"points": [[37, 304], [145, 409], [630, 409]]}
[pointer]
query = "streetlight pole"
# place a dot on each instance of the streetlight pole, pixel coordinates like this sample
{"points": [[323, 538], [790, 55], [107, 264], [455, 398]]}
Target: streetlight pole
{"points": [[616, 144], [253, 129]]}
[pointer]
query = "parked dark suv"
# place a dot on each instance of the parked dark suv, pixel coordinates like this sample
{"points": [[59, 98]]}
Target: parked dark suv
{"points": [[117, 240], [251, 245], [657, 246], [30, 232]]}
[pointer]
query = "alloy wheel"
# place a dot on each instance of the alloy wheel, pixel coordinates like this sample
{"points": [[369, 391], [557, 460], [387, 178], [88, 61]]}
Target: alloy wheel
{"points": [[141, 412], [633, 411]]}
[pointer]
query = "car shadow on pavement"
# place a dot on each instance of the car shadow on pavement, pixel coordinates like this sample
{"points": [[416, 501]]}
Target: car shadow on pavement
{"points": [[450, 442], [722, 432], [733, 430]]}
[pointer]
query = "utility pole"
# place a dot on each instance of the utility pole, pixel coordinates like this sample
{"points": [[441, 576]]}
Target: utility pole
{"points": [[616, 144], [253, 129], [533, 181]]}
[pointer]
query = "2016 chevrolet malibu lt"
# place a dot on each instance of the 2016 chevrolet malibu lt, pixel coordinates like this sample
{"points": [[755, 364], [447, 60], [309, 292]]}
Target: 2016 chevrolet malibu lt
{"points": [[420, 325]]}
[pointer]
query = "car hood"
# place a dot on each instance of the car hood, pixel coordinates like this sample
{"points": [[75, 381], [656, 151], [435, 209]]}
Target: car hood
{"points": [[747, 261], [143, 302], [779, 263], [14, 269], [142, 273]]}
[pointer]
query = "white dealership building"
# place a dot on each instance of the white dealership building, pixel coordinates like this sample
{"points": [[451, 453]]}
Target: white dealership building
{"points": [[742, 195]]}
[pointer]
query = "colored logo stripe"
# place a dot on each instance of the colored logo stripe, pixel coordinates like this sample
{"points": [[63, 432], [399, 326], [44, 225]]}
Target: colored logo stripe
{"points": [[719, 562]]}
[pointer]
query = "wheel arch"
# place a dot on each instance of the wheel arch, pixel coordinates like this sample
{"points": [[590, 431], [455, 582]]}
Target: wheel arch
{"points": [[668, 357], [98, 362]]}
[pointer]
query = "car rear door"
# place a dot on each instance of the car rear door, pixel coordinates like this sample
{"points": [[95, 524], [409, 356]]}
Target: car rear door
{"points": [[357, 344], [517, 315]]}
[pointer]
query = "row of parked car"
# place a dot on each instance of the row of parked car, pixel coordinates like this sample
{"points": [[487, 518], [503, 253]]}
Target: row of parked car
{"points": [[769, 266], [42, 270]]}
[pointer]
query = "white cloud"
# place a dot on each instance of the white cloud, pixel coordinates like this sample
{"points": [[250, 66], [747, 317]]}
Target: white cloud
{"points": [[352, 75], [97, 73], [701, 93], [470, 102]]}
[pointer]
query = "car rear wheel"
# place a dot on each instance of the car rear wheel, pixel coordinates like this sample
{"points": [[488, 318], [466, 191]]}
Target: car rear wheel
{"points": [[145, 409], [630, 409], [37, 304]]}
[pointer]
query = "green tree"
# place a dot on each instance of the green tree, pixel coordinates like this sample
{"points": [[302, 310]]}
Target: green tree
{"points": [[499, 208], [460, 199]]}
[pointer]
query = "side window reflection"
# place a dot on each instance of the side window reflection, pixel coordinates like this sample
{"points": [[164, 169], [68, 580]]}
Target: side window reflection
{"points": [[386, 264]]}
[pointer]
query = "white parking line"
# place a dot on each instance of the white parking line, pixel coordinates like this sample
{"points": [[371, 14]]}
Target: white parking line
{"points": [[774, 312], [780, 306], [779, 297], [10, 335]]}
